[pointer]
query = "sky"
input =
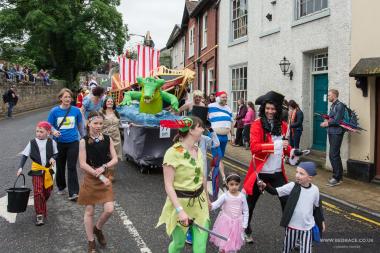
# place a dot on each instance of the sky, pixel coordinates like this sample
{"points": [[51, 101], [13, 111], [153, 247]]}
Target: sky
{"points": [[156, 16]]}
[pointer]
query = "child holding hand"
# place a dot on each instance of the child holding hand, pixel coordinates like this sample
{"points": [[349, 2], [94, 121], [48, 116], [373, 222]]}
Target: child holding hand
{"points": [[301, 210], [233, 218]]}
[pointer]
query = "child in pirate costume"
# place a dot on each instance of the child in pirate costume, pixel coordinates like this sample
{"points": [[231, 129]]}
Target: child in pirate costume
{"points": [[268, 149], [303, 209], [185, 186], [42, 151]]}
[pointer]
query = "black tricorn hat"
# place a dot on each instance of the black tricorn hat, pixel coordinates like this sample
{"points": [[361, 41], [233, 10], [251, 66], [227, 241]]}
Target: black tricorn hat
{"points": [[271, 96]]}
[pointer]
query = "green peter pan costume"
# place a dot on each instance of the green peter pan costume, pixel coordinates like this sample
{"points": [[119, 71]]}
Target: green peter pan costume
{"points": [[188, 178]]}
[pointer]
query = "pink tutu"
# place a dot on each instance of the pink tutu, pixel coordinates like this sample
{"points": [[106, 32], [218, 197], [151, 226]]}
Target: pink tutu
{"points": [[230, 228]]}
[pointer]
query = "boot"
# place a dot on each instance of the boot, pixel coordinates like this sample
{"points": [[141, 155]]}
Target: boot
{"points": [[91, 247], [246, 146], [99, 235]]}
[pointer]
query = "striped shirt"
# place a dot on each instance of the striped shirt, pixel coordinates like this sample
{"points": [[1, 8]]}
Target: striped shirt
{"points": [[219, 116]]}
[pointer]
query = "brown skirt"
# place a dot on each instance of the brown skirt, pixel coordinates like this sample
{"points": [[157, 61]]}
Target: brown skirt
{"points": [[93, 191]]}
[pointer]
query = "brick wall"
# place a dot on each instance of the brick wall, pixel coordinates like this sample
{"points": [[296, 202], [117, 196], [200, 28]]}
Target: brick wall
{"points": [[32, 96]]}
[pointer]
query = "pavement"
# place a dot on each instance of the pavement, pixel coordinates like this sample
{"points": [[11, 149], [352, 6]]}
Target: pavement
{"points": [[355, 194]]}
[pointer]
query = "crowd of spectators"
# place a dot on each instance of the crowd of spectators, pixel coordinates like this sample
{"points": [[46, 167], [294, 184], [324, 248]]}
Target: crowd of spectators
{"points": [[22, 74]]}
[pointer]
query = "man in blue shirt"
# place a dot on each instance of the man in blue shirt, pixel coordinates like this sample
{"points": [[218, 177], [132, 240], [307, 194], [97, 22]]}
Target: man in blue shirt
{"points": [[335, 133]]}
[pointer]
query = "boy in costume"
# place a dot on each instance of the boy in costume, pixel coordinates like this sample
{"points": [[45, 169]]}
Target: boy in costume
{"points": [[43, 151], [303, 209]]}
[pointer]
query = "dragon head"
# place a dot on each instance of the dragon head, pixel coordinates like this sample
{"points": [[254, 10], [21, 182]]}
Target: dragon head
{"points": [[150, 86]]}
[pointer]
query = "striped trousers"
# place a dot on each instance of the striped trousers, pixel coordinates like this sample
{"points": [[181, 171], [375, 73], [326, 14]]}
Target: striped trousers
{"points": [[41, 195], [304, 238]]}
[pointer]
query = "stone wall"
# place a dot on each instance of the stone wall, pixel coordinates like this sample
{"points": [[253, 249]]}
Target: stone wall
{"points": [[32, 96]]}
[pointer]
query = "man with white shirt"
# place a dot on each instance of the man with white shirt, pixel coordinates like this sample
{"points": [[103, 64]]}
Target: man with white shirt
{"points": [[268, 149], [220, 116]]}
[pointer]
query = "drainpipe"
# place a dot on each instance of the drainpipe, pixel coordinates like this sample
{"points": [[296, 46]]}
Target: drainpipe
{"points": [[216, 64], [199, 62]]}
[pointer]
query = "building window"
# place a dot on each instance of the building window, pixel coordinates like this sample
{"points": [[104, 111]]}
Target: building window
{"points": [[191, 41], [239, 85], [239, 19], [211, 81], [320, 62], [204, 34], [307, 7]]}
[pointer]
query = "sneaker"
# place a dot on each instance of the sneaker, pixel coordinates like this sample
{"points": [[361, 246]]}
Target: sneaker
{"points": [[62, 192], [39, 220], [189, 237], [248, 238], [333, 182], [99, 236], [74, 197]]}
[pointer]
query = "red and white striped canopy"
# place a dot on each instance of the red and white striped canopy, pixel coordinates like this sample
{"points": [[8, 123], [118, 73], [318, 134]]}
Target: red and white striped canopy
{"points": [[148, 60]]}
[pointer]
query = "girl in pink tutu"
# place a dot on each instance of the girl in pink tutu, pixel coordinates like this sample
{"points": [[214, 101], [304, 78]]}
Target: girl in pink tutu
{"points": [[233, 218]]}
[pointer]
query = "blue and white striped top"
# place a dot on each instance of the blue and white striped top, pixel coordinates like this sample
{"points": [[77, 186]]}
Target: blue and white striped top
{"points": [[219, 116]]}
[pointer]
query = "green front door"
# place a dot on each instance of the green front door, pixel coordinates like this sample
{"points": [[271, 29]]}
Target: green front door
{"points": [[320, 106]]}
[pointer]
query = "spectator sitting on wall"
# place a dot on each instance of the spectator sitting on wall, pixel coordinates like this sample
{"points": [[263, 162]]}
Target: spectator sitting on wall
{"points": [[44, 75]]}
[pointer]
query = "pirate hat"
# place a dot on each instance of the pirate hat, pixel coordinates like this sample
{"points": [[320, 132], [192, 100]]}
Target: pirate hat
{"points": [[271, 96]]}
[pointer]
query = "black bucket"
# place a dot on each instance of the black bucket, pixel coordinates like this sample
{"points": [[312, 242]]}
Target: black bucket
{"points": [[18, 197]]}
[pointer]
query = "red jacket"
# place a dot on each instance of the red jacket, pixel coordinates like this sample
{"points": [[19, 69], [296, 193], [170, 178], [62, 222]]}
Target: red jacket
{"points": [[260, 152]]}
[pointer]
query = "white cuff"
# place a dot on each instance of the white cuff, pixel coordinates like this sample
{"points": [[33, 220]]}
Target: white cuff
{"points": [[278, 147]]}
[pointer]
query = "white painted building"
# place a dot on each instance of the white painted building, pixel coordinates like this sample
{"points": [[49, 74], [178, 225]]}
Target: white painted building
{"points": [[313, 35], [176, 43]]}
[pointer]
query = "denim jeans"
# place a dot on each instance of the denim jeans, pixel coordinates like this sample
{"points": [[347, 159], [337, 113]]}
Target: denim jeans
{"points": [[10, 109], [295, 139], [335, 141]]}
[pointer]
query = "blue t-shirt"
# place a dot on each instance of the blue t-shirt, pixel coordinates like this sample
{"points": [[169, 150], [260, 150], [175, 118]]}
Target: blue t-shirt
{"points": [[70, 128], [89, 106]]}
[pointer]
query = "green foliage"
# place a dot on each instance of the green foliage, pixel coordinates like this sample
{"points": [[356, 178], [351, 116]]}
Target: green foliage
{"points": [[67, 36]]}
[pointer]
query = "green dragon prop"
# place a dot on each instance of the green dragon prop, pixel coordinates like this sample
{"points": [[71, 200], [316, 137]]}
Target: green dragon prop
{"points": [[151, 96]]}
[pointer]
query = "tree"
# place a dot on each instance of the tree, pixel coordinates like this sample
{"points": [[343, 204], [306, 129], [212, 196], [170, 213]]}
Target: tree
{"points": [[68, 36]]}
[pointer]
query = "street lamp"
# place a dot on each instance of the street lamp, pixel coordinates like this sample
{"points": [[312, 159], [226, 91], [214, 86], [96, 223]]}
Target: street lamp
{"points": [[284, 65]]}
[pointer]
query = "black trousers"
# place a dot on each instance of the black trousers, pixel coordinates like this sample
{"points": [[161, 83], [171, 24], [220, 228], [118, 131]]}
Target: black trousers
{"points": [[246, 133], [335, 141], [67, 153], [275, 180], [239, 137]]}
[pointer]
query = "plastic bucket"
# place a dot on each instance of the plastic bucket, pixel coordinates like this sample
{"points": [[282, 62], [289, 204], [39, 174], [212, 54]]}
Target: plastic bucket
{"points": [[18, 197]]}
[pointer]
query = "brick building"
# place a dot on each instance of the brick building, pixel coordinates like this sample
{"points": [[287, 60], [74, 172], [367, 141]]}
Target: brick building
{"points": [[194, 43]]}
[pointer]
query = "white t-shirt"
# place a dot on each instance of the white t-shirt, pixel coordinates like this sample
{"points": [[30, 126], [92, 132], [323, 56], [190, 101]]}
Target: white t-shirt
{"points": [[302, 218], [42, 147], [274, 161]]}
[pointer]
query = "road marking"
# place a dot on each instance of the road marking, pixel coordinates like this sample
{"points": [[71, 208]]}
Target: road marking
{"points": [[328, 206], [131, 229], [10, 217], [364, 218]]}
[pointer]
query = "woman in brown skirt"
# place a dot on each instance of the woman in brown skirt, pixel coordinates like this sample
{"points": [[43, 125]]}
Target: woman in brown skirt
{"points": [[96, 155]]}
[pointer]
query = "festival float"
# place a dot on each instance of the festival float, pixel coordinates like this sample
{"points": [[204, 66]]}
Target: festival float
{"points": [[146, 94]]}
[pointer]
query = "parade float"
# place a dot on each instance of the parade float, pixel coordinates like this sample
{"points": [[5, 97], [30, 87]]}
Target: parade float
{"points": [[145, 97]]}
